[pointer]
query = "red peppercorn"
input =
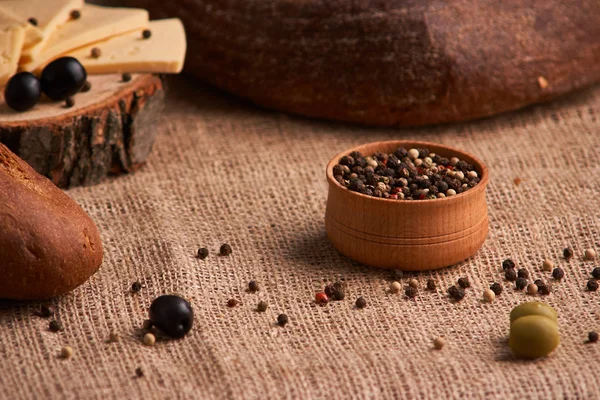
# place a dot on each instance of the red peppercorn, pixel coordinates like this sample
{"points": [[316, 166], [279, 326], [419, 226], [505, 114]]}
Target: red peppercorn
{"points": [[394, 196], [422, 196], [321, 298]]}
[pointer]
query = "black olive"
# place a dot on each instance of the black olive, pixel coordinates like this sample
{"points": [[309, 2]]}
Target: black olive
{"points": [[172, 315], [62, 78], [22, 91]]}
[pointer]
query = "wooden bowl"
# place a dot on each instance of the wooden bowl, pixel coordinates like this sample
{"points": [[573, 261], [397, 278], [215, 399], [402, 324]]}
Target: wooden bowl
{"points": [[411, 235]]}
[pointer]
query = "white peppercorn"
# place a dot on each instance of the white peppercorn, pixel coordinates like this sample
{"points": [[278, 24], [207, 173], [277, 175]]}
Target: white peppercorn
{"points": [[414, 154], [532, 288], [451, 192], [418, 162], [472, 174], [589, 254], [66, 352], [439, 343], [547, 265], [149, 339], [489, 295], [459, 175], [454, 161], [413, 283], [395, 287]]}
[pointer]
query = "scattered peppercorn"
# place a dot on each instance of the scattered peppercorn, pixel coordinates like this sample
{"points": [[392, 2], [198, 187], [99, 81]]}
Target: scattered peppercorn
{"points": [[489, 295], [253, 286], [139, 372], [520, 283], [96, 52], [545, 289], [282, 319], [126, 77], [113, 337], [547, 265], [75, 14], [33, 21], [55, 326], [539, 282], [225, 250], [464, 283], [146, 33], [456, 293], [596, 273], [66, 352], [86, 87], [567, 253], [438, 343], [592, 285], [589, 254], [411, 292], [361, 302], [321, 298], [430, 284], [262, 306], [532, 288], [413, 283], [336, 291], [508, 264], [397, 274], [147, 325], [149, 339], [593, 336], [558, 274], [510, 275], [136, 286], [69, 102], [395, 287], [202, 253], [46, 311], [523, 273], [232, 303], [496, 288]]}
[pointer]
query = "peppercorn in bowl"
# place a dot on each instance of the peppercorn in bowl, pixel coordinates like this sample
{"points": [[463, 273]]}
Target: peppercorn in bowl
{"points": [[406, 204]]}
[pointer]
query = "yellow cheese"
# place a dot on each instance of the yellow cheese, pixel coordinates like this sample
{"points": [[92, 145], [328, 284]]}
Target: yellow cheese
{"points": [[11, 42], [162, 52], [50, 14], [32, 34], [95, 24]]}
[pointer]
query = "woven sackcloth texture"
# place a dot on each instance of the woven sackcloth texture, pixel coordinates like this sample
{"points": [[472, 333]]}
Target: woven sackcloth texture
{"points": [[223, 171]]}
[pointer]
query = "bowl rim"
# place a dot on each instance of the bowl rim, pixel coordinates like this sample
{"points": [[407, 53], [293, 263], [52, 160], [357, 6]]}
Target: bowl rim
{"points": [[411, 144]]}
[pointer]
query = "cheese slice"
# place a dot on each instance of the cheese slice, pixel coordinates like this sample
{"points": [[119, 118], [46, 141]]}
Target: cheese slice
{"points": [[50, 14], [95, 24], [32, 34], [11, 42], [163, 52]]}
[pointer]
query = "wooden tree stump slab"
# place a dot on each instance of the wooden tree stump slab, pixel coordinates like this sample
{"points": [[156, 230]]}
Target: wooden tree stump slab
{"points": [[110, 130]]}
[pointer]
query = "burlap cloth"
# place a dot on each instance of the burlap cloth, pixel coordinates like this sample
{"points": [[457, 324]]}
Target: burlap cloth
{"points": [[225, 171]]}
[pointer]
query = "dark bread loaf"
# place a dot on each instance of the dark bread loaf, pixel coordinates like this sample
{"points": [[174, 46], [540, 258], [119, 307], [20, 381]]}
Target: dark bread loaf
{"points": [[48, 244], [391, 62]]}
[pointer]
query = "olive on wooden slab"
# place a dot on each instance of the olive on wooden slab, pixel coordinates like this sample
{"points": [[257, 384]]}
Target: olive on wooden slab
{"points": [[533, 336], [533, 308]]}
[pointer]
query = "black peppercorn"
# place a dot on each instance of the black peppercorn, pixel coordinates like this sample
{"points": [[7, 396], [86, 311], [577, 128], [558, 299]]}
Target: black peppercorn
{"points": [[464, 283], [568, 253], [456, 293], [401, 152], [139, 372], [282, 319], [126, 77], [75, 14], [55, 326], [252, 286], [338, 170], [232, 303], [355, 154], [523, 273], [411, 292], [539, 282], [262, 306], [508, 264], [496, 288], [87, 86], [592, 285], [146, 33], [225, 250], [136, 286], [202, 253], [558, 274], [520, 283], [348, 161], [69, 102], [46, 311], [361, 302], [545, 289], [593, 337], [397, 274], [33, 21], [510, 275], [596, 273], [96, 52], [336, 291], [430, 284]]}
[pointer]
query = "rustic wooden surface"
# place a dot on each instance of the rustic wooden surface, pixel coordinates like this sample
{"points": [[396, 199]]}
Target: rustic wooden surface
{"points": [[110, 130], [411, 235], [391, 62]]}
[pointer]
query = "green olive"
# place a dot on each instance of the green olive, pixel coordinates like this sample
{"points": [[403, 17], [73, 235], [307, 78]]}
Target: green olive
{"points": [[533, 308], [533, 336]]}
